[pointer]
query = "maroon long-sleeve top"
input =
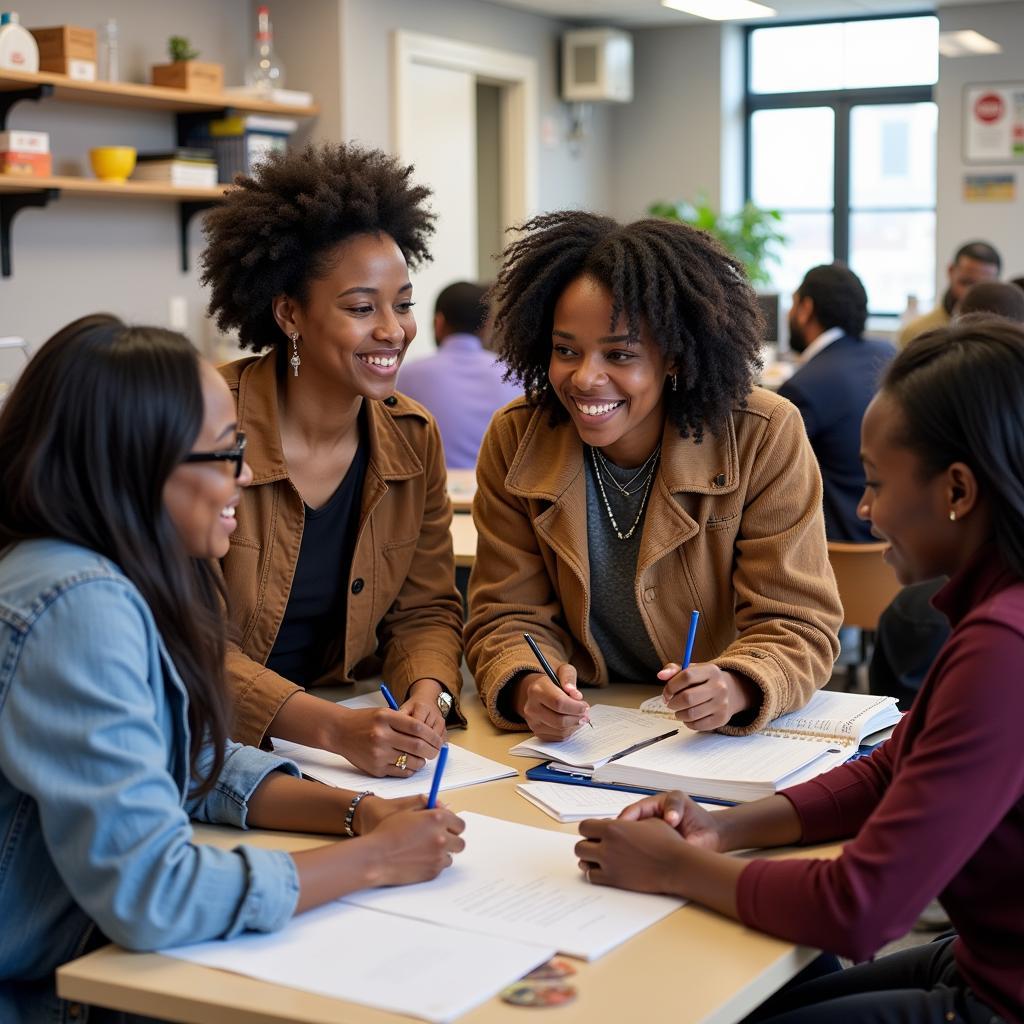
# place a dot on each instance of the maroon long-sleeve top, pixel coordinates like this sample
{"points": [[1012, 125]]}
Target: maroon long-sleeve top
{"points": [[937, 810]]}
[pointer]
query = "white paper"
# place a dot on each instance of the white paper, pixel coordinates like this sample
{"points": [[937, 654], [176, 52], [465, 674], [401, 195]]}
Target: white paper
{"points": [[615, 730], [464, 768], [523, 883], [566, 802], [345, 952], [847, 716]]}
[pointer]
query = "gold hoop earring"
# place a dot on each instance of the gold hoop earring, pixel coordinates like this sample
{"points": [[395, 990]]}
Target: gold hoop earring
{"points": [[295, 361]]}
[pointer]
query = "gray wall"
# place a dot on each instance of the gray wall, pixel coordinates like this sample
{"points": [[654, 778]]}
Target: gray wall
{"points": [[566, 178], [81, 255], [1002, 224]]}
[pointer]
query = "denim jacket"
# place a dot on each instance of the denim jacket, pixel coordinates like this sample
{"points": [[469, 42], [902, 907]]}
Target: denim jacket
{"points": [[94, 779]]}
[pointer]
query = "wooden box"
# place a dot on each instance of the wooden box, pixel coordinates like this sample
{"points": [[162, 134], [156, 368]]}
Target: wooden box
{"points": [[190, 75], [69, 41], [76, 68]]}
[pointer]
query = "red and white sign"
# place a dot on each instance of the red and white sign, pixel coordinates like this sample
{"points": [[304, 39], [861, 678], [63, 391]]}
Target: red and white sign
{"points": [[989, 107], [994, 123]]}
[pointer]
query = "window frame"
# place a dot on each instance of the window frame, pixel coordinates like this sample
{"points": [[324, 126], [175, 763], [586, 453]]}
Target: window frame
{"points": [[842, 102]]}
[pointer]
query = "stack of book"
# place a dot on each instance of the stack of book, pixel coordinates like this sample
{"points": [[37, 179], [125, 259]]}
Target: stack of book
{"points": [[179, 167], [241, 142], [26, 154]]}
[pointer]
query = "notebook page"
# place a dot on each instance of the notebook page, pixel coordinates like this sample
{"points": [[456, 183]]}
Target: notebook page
{"points": [[845, 716], [705, 755], [615, 730], [464, 768]]}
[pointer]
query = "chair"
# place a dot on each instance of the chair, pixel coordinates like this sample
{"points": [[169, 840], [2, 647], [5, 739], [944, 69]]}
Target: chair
{"points": [[866, 585]]}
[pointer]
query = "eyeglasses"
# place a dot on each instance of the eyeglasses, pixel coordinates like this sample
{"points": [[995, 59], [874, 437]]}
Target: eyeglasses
{"points": [[235, 455]]}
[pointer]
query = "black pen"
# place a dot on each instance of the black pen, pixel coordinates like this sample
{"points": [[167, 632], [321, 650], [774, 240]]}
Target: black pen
{"points": [[546, 665]]}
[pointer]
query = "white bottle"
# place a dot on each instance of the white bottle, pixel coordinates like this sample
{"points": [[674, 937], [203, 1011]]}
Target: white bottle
{"points": [[18, 49], [108, 70]]}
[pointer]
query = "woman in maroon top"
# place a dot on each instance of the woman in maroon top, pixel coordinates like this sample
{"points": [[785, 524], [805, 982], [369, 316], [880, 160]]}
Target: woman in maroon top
{"points": [[939, 809]]}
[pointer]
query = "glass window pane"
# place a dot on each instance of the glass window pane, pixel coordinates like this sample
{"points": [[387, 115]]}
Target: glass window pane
{"points": [[808, 244], [845, 55], [792, 158], [894, 51], [892, 155], [894, 255], [796, 58]]}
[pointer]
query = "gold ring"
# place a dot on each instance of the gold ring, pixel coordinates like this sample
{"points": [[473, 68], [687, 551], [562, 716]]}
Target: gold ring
{"points": [[402, 762]]}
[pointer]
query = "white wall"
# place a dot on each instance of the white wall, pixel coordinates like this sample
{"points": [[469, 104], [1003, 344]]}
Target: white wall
{"points": [[81, 255], [567, 178], [1002, 224]]}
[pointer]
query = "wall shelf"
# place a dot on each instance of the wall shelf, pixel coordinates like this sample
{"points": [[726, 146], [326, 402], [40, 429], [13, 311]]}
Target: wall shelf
{"points": [[18, 193]]}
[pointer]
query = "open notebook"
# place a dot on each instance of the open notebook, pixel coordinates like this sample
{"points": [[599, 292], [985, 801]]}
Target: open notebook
{"points": [[615, 731], [841, 718]]}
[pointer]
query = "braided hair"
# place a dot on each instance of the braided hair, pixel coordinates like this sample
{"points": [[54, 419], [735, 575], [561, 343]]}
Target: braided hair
{"points": [[693, 296], [280, 229]]}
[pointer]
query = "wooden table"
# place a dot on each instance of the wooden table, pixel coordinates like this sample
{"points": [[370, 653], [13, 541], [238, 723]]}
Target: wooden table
{"points": [[693, 966], [461, 488], [464, 539]]}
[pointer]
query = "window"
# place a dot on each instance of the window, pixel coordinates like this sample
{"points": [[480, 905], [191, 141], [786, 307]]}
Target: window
{"points": [[841, 139]]}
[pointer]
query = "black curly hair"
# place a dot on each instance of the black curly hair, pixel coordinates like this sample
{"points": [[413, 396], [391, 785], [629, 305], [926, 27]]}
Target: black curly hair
{"points": [[276, 232], [693, 296]]}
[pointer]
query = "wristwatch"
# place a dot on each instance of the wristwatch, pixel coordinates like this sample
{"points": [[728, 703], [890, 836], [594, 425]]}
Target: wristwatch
{"points": [[444, 703]]}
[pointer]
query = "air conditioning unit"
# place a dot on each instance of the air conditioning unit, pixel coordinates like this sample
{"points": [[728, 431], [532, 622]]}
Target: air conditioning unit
{"points": [[597, 65]]}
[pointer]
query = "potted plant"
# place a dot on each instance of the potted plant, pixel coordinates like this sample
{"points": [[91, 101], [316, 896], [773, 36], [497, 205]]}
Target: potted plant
{"points": [[752, 235], [185, 72]]}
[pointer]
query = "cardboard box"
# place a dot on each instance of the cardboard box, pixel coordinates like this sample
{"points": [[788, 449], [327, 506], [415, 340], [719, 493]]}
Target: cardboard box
{"points": [[21, 141], [27, 165], [65, 41], [75, 68], [190, 75]]}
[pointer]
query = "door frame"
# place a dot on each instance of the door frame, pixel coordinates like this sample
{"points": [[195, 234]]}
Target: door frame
{"points": [[515, 74]]}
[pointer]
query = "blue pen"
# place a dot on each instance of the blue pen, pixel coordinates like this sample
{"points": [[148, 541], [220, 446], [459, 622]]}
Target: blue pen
{"points": [[392, 703], [442, 760], [694, 616]]}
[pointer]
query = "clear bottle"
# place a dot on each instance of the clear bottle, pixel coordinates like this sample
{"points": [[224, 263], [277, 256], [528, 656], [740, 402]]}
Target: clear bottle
{"points": [[264, 70], [109, 70]]}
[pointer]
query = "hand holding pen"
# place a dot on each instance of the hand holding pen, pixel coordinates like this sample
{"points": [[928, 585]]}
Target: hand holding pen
{"points": [[704, 696], [550, 701]]}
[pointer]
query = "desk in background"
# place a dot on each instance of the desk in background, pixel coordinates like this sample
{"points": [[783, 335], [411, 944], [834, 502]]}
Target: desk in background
{"points": [[461, 488], [693, 966]]}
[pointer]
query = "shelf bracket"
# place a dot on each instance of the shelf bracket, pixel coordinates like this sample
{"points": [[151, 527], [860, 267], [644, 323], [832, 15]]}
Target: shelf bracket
{"points": [[186, 211], [10, 204], [8, 99]]}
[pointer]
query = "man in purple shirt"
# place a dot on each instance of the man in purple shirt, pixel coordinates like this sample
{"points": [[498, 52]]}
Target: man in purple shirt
{"points": [[461, 384]]}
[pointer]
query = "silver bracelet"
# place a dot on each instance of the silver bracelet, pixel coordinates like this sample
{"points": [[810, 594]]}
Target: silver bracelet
{"points": [[350, 814]]}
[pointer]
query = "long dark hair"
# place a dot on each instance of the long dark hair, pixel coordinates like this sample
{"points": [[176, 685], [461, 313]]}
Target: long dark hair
{"points": [[693, 296], [90, 433], [961, 391]]}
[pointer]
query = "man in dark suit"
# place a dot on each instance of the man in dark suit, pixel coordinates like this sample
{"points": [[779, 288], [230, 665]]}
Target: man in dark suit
{"points": [[836, 378]]}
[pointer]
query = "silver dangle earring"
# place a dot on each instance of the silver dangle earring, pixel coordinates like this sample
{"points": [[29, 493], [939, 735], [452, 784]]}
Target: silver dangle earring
{"points": [[295, 361], [675, 381]]}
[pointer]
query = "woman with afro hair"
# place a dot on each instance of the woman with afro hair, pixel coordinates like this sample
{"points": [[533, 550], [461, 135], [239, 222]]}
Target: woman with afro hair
{"points": [[342, 558], [643, 476]]}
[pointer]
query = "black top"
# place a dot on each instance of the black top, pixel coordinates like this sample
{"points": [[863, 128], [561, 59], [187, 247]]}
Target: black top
{"points": [[312, 635]]}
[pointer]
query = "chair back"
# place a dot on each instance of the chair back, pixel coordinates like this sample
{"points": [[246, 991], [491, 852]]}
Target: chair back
{"points": [[866, 583]]}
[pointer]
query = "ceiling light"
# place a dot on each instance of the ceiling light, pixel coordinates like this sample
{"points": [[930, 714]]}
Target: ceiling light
{"points": [[966, 43], [721, 10]]}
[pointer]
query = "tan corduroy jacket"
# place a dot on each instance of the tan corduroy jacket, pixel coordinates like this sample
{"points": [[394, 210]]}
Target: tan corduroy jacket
{"points": [[733, 528], [402, 601]]}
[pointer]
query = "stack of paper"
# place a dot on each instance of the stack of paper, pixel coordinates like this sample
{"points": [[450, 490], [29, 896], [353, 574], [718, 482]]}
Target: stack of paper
{"points": [[576, 803], [734, 768], [615, 731]]}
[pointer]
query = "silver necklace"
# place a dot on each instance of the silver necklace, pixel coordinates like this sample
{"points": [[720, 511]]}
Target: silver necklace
{"points": [[624, 489], [608, 508]]}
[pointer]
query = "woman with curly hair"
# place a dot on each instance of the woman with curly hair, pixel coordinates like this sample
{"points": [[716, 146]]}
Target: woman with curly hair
{"points": [[643, 476], [342, 557]]}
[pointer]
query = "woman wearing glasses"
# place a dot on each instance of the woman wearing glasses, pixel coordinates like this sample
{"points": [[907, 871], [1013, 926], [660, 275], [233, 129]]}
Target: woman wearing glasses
{"points": [[342, 562], [120, 473]]}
